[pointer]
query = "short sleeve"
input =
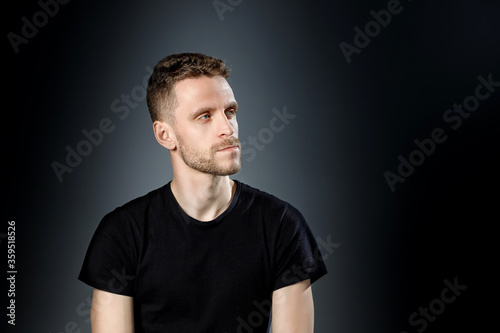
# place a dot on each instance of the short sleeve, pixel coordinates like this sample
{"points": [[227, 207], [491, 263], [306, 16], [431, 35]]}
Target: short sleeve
{"points": [[298, 256], [111, 259]]}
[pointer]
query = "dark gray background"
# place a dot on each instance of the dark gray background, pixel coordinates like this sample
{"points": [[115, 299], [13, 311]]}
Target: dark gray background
{"points": [[352, 121]]}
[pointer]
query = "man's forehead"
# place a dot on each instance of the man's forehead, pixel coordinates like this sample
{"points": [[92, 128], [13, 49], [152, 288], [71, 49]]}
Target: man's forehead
{"points": [[203, 85], [203, 90]]}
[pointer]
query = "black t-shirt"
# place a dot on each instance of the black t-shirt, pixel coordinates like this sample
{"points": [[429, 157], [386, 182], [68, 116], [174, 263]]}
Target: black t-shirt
{"points": [[191, 276]]}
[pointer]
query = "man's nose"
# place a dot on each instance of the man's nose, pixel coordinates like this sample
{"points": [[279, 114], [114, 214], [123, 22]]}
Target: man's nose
{"points": [[224, 126]]}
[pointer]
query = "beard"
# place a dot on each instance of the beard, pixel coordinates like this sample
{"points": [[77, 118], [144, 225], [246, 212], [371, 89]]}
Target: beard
{"points": [[206, 162]]}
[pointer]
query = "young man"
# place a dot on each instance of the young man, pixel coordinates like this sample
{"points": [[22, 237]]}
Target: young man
{"points": [[203, 253]]}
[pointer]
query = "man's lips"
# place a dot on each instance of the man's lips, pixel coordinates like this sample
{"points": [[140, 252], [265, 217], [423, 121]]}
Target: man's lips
{"points": [[229, 148]]}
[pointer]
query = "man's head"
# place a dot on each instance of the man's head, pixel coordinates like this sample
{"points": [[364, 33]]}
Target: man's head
{"points": [[194, 113], [161, 98]]}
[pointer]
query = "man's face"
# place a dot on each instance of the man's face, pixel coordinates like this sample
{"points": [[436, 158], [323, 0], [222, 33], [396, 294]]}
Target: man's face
{"points": [[205, 125]]}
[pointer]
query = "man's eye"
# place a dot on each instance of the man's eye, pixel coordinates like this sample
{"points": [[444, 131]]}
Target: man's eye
{"points": [[205, 116], [231, 112]]}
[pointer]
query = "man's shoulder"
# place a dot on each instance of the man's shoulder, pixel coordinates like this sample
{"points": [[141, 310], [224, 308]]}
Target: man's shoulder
{"points": [[140, 206], [259, 194], [265, 199], [274, 210]]}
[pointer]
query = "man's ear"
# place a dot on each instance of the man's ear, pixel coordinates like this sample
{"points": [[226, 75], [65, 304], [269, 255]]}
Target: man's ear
{"points": [[164, 134]]}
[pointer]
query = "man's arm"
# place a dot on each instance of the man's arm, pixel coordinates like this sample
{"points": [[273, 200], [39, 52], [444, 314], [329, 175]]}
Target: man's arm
{"points": [[111, 313], [293, 309]]}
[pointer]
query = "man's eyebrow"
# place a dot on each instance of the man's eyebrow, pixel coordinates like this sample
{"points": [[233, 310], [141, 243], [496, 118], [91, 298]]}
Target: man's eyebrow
{"points": [[232, 105], [200, 110]]}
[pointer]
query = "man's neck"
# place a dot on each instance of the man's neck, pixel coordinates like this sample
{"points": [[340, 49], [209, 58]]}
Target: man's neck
{"points": [[203, 197]]}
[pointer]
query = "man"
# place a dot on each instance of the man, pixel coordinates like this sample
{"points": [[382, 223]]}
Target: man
{"points": [[203, 253]]}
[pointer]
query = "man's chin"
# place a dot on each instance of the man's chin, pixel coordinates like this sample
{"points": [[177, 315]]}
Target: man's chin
{"points": [[213, 168], [229, 171]]}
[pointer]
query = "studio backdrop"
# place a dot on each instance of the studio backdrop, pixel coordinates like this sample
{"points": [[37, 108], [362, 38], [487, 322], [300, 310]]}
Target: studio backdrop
{"points": [[378, 120]]}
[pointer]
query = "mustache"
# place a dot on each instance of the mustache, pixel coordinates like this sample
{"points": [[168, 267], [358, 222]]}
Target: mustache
{"points": [[226, 143]]}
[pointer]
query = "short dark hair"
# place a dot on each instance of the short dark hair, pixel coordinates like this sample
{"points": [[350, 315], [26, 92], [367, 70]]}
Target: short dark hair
{"points": [[160, 96]]}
